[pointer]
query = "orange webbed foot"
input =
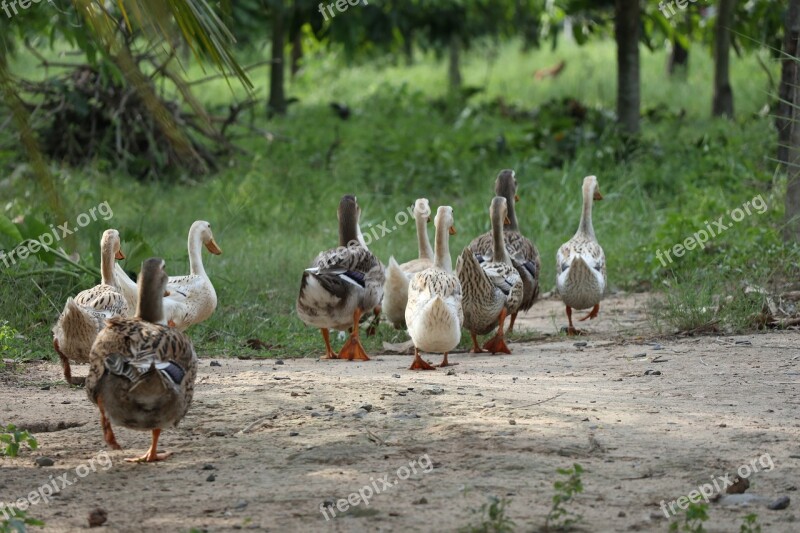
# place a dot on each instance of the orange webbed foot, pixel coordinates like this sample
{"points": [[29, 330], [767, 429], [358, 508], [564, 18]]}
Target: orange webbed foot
{"points": [[592, 314], [497, 344], [353, 350], [419, 363]]}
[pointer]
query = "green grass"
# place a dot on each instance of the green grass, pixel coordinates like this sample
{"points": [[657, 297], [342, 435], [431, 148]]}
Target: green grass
{"points": [[273, 209]]}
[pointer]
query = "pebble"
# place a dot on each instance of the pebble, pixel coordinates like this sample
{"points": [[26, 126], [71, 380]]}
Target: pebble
{"points": [[432, 391], [97, 517], [241, 504], [395, 375], [581, 344], [421, 501], [211, 477], [44, 461], [279, 362], [779, 504], [488, 405], [209, 467], [215, 363], [652, 372], [451, 372], [512, 422], [293, 433], [367, 407], [46, 387]]}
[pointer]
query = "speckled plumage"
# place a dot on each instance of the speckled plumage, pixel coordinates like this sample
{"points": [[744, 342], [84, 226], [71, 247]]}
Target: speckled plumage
{"points": [[192, 298], [142, 373], [491, 286], [523, 253], [581, 263], [434, 314], [85, 314]]}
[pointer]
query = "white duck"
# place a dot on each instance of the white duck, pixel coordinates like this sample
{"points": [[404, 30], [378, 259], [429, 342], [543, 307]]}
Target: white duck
{"points": [[85, 314], [192, 299], [395, 290], [492, 289], [581, 263], [434, 314]]}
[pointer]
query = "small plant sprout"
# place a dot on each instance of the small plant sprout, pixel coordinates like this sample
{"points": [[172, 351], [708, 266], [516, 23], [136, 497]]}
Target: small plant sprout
{"points": [[12, 438], [18, 523], [560, 518], [693, 519], [491, 518], [750, 524]]}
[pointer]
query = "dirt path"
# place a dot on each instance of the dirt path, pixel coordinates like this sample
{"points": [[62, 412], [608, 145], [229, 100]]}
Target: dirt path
{"points": [[279, 440]]}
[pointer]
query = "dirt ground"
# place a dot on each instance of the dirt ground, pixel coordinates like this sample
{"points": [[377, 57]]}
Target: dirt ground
{"points": [[266, 444]]}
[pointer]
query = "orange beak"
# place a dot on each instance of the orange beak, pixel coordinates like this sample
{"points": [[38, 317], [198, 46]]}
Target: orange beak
{"points": [[597, 195], [119, 255], [516, 197], [212, 247], [452, 230]]}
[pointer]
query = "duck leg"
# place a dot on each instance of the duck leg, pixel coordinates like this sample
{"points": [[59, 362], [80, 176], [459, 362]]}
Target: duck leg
{"points": [[476, 348], [593, 313], [376, 320], [571, 330], [497, 344], [329, 353], [64, 362], [419, 363], [353, 349], [108, 433], [152, 454], [513, 319], [445, 362]]}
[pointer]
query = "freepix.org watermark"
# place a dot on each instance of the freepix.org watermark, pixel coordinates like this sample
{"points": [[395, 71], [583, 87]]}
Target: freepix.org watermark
{"points": [[10, 6], [376, 486], [717, 485], [54, 485], [56, 233], [341, 7], [701, 237]]}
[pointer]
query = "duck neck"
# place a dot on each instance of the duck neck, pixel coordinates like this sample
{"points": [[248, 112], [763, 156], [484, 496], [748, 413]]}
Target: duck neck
{"points": [[512, 212], [586, 216], [195, 254], [499, 252], [423, 244], [150, 306], [107, 258], [349, 232], [442, 256]]}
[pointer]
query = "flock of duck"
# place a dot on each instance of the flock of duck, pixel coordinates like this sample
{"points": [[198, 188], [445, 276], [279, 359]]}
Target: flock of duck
{"points": [[143, 366]]}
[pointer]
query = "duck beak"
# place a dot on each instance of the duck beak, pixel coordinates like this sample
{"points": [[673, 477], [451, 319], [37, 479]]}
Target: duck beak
{"points": [[516, 197], [212, 247], [452, 230], [119, 255], [597, 195]]}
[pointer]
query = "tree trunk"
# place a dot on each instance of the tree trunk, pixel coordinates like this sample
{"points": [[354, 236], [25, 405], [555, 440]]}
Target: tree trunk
{"points": [[678, 62], [277, 97], [791, 232], [454, 67], [789, 63], [627, 20], [723, 93]]}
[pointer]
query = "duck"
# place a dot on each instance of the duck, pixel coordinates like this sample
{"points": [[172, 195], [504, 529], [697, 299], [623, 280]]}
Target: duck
{"points": [[581, 263], [341, 284], [395, 290], [434, 314], [192, 298], [84, 315], [142, 373], [524, 254], [491, 290]]}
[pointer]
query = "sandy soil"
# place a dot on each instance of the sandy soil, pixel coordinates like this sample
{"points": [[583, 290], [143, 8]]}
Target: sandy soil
{"points": [[265, 444]]}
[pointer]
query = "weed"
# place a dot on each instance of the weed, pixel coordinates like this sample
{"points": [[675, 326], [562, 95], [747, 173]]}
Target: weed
{"points": [[18, 523], [693, 519], [12, 438], [491, 518], [560, 518], [750, 524]]}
